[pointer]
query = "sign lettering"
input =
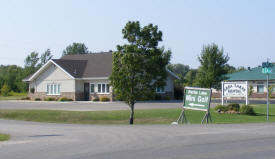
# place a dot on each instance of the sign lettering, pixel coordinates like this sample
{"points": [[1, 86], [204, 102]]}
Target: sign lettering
{"points": [[197, 98]]}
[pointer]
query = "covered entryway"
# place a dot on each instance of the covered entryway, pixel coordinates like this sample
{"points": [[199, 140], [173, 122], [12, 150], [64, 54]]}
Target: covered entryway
{"points": [[86, 91]]}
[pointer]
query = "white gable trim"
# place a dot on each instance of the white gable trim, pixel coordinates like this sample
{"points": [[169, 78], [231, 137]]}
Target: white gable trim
{"points": [[62, 69], [44, 67]]}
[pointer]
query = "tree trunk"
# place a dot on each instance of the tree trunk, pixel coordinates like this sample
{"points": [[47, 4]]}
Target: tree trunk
{"points": [[132, 115]]}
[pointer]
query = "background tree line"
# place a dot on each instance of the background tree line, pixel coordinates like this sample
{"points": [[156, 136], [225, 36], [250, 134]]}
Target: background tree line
{"points": [[212, 58], [11, 76], [212, 70]]}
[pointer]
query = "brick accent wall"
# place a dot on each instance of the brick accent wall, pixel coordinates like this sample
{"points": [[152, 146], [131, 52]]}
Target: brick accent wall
{"points": [[43, 95], [79, 96], [95, 95]]}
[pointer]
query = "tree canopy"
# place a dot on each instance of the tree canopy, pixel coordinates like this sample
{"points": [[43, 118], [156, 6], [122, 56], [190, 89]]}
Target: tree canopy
{"points": [[11, 76], [45, 57], [76, 48], [213, 67], [139, 66], [32, 60]]}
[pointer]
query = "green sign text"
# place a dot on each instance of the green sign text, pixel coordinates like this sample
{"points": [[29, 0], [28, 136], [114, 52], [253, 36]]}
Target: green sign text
{"points": [[197, 98]]}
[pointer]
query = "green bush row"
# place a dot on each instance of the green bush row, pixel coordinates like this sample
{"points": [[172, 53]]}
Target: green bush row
{"points": [[102, 99], [244, 109], [54, 99]]}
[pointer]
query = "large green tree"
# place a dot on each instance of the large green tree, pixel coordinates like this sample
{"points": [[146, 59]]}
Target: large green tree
{"points": [[139, 66], [190, 77], [180, 70], [213, 67], [76, 48], [32, 60], [31, 63]]}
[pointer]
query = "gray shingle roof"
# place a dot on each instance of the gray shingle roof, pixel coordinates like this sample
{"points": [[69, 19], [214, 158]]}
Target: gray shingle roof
{"points": [[87, 65]]}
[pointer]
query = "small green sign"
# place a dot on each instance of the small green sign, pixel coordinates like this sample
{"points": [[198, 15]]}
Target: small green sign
{"points": [[197, 98], [267, 70]]}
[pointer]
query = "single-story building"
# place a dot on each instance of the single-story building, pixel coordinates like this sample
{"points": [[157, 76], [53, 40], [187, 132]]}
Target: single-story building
{"points": [[256, 80], [80, 77]]}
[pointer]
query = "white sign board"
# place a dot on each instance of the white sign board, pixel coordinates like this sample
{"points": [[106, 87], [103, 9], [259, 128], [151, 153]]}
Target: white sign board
{"points": [[234, 89]]}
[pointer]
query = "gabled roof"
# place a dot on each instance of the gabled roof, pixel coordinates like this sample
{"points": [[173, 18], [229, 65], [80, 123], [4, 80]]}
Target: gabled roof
{"points": [[250, 75], [84, 66], [97, 64], [74, 67]]}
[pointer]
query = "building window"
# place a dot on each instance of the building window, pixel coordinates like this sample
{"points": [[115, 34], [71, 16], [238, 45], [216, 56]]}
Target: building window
{"points": [[103, 88], [92, 88], [160, 90], [99, 88], [260, 88], [53, 89]]}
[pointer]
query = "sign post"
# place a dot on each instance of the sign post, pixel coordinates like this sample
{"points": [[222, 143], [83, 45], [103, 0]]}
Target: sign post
{"points": [[196, 99], [235, 89], [267, 69]]}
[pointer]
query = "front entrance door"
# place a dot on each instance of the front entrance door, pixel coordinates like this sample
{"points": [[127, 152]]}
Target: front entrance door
{"points": [[86, 91]]}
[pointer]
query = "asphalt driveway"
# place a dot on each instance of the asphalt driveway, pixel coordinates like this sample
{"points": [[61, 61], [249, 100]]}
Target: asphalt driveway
{"points": [[85, 106]]}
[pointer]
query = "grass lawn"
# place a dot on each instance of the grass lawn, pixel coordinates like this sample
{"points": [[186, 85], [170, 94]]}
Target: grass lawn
{"points": [[149, 116], [11, 97], [4, 137]]}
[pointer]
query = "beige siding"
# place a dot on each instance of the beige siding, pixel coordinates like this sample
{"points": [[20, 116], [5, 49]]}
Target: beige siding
{"points": [[53, 74]]}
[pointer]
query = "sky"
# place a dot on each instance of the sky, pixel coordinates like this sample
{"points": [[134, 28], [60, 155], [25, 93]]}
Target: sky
{"points": [[244, 28]]}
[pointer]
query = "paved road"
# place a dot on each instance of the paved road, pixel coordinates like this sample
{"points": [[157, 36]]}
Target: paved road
{"points": [[32, 140], [85, 106]]}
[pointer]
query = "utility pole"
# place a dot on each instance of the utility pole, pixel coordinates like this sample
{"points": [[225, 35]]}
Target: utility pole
{"points": [[267, 69]]}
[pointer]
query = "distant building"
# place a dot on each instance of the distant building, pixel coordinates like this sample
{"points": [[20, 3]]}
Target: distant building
{"points": [[256, 79], [81, 77]]}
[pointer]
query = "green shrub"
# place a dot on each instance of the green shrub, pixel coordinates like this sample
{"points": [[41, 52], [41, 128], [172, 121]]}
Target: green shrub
{"points": [[50, 99], [234, 107], [25, 98], [37, 99], [104, 99], [158, 97], [166, 98], [64, 99], [5, 90], [247, 109], [221, 108], [12, 93], [96, 99]]}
